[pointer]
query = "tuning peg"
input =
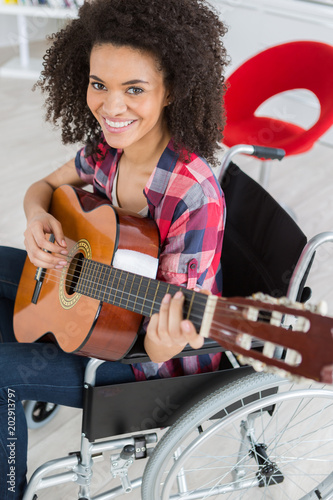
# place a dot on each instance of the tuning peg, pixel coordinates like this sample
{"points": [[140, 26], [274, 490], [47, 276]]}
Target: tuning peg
{"points": [[322, 308]]}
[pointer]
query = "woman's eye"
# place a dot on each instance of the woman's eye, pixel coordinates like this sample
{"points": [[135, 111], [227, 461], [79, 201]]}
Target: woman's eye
{"points": [[98, 86], [135, 90]]}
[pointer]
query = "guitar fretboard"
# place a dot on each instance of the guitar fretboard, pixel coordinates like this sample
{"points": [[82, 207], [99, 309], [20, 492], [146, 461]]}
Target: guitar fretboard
{"points": [[134, 292]]}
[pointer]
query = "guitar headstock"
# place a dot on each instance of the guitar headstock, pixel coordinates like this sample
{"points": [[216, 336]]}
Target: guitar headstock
{"points": [[296, 339]]}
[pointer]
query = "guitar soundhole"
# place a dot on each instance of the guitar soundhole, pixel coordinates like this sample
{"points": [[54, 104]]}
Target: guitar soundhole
{"points": [[74, 271]]}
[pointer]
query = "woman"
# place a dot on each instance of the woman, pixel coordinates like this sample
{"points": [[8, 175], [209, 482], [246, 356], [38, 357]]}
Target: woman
{"points": [[140, 83]]}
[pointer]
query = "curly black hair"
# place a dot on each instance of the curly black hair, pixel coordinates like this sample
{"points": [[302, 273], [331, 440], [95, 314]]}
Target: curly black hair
{"points": [[185, 36]]}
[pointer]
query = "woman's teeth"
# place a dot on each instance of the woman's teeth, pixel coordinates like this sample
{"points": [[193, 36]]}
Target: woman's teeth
{"points": [[118, 124]]}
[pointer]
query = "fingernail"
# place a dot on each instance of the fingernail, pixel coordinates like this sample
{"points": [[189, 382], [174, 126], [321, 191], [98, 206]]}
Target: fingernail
{"points": [[63, 243], [62, 263], [178, 295], [186, 326], [166, 298], [64, 252]]}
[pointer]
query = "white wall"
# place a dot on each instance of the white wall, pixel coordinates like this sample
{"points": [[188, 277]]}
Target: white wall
{"points": [[257, 24]]}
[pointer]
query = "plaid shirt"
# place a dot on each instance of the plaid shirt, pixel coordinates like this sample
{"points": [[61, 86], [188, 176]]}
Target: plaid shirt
{"points": [[187, 204]]}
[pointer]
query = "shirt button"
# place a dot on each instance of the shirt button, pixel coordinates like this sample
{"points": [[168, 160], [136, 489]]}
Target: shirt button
{"points": [[193, 266]]}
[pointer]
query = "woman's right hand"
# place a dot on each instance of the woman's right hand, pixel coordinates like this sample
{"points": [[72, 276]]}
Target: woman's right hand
{"points": [[41, 251]]}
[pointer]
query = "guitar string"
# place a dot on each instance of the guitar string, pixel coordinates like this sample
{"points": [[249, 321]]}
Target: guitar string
{"points": [[225, 329], [221, 327], [88, 281], [51, 272], [108, 289], [122, 281]]}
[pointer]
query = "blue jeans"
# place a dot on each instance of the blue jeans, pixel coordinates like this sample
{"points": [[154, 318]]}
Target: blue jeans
{"points": [[40, 372]]}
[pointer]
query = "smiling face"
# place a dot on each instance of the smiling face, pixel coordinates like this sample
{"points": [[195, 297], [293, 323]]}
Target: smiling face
{"points": [[127, 95]]}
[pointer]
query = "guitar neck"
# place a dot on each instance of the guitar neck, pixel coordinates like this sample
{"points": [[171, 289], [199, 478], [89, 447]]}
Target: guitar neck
{"points": [[134, 292], [237, 324]]}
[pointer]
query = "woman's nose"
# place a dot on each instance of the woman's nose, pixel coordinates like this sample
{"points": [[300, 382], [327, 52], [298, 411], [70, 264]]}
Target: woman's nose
{"points": [[114, 104]]}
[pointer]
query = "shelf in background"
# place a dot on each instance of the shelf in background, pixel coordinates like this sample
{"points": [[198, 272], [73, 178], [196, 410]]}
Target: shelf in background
{"points": [[24, 66]]}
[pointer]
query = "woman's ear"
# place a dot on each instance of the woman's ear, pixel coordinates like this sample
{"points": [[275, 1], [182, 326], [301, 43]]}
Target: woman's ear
{"points": [[168, 99]]}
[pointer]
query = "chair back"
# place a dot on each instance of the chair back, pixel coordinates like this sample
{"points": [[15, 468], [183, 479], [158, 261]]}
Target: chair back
{"points": [[293, 65]]}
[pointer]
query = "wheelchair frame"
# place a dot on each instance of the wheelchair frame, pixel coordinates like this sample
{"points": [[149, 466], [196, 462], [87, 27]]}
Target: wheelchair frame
{"points": [[203, 403]]}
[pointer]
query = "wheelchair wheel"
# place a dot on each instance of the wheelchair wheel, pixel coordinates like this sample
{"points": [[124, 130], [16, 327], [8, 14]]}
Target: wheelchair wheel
{"points": [[38, 413], [268, 439]]}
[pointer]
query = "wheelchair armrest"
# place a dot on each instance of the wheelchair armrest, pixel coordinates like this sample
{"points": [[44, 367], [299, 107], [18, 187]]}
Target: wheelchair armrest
{"points": [[303, 265], [137, 353]]}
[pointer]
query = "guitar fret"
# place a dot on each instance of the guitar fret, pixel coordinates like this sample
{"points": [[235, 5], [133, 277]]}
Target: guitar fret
{"points": [[135, 288], [85, 282], [122, 292], [102, 281], [96, 280], [92, 290], [190, 305], [116, 274], [154, 299], [137, 295], [118, 286], [105, 284], [111, 287], [129, 293], [145, 297]]}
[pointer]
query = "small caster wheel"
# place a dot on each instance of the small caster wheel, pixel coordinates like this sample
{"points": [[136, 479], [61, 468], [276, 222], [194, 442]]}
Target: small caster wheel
{"points": [[39, 413]]}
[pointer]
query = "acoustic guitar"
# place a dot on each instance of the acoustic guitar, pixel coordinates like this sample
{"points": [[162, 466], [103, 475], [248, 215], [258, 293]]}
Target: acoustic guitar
{"points": [[95, 305]]}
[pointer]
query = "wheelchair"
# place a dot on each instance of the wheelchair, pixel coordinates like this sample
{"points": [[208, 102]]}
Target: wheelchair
{"points": [[234, 433]]}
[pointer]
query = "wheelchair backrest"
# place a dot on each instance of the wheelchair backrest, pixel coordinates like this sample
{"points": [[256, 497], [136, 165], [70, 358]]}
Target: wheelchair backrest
{"points": [[262, 243]]}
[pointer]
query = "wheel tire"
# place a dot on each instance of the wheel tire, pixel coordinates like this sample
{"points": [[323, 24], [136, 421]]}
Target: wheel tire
{"points": [[39, 413], [183, 464]]}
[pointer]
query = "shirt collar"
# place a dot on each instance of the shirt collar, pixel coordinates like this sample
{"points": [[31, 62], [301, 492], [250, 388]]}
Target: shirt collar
{"points": [[159, 179]]}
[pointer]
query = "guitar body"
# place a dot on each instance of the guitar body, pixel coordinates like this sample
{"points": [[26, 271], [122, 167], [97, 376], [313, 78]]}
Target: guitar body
{"points": [[93, 230]]}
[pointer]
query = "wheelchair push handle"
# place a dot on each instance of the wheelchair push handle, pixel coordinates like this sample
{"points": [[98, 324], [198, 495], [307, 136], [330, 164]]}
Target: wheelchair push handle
{"points": [[252, 150], [268, 153]]}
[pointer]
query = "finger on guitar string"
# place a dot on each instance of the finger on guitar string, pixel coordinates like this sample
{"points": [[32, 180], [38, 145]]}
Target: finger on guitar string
{"points": [[169, 318], [47, 262], [175, 318], [41, 226], [42, 257], [158, 327], [44, 251], [168, 328]]}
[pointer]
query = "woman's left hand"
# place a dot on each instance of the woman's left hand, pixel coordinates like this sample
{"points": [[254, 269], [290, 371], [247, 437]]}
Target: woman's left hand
{"points": [[167, 332]]}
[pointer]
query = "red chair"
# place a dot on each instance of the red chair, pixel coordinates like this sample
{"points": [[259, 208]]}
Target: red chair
{"points": [[293, 65]]}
